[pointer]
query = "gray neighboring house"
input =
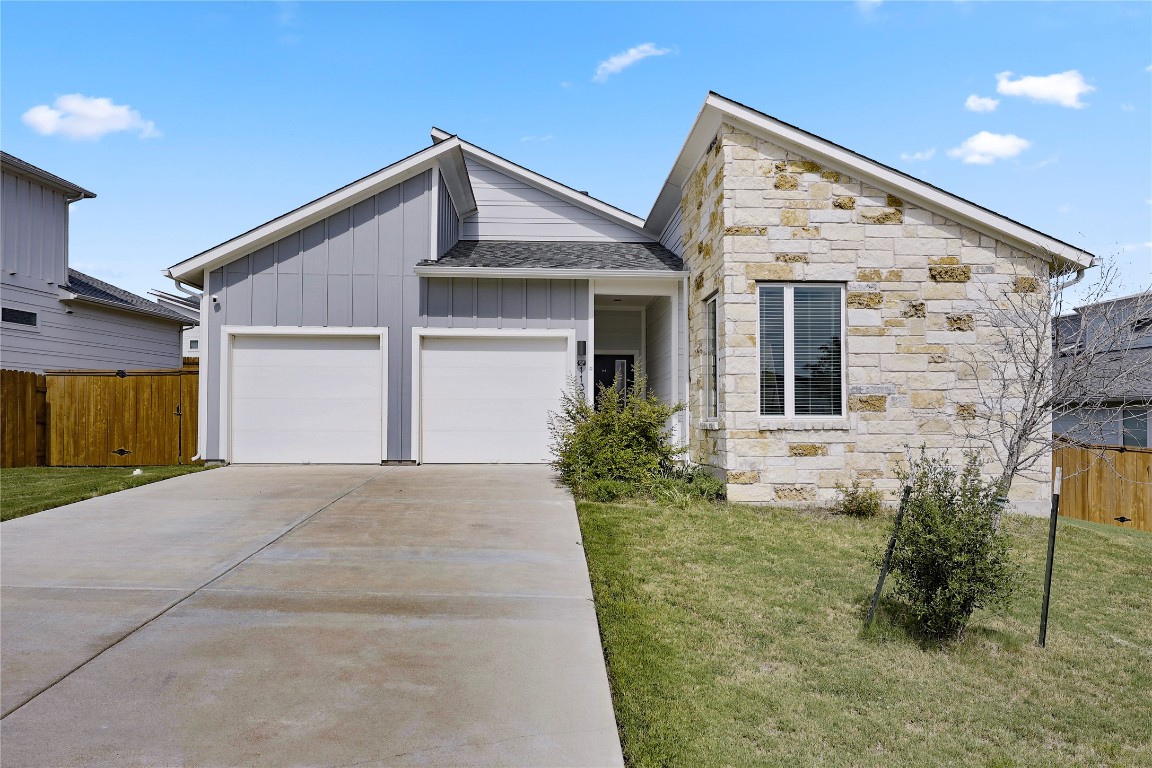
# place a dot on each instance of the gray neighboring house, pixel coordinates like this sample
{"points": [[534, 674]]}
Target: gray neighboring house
{"points": [[1118, 394], [187, 305], [809, 304], [55, 317]]}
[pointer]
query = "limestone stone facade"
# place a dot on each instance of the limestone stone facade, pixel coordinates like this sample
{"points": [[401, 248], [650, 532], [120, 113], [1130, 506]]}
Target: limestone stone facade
{"points": [[915, 283]]}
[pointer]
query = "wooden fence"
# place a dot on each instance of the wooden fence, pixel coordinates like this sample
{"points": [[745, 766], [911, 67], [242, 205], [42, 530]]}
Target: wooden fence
{"points": [[105, 418], [23, 419], [1105, 483]]}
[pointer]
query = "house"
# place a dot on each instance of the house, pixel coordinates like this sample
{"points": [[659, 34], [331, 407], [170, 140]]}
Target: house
{"points": [[187, 305], [1111, 341], [805, 301], [55, 317]]}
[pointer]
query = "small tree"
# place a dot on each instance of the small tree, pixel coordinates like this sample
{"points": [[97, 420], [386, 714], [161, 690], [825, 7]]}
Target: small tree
{"points": [[1037, 363], [951, 558], [623, 438]]}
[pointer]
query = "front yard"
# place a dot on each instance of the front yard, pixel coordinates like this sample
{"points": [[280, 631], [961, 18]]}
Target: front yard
{"points": [[27, 490], [732, 636]]}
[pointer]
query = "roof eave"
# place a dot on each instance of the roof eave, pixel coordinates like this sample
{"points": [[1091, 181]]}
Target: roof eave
{"points": [[430, 270], [17, 167], [68, 296]]}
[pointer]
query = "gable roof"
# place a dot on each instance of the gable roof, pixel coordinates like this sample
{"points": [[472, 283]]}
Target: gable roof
{"points": [[718, 109], [502, 254], [19, 167], [87, 288]]}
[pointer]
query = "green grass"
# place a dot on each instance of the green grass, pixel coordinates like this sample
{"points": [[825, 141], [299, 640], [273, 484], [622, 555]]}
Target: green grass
{"points": [[733, 637], [28, 490]]}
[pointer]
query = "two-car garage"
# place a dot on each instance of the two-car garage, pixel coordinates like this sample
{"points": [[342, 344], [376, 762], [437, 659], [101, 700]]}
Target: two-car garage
{"points": [[320, 396]]}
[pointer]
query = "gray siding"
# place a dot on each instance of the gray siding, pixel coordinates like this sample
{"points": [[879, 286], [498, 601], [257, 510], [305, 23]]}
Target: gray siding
{"points": [[34, 226], [90, 338], [466, 302], [447, 222], [672, 237], [658, 352], [509, 209], [619, 330], [354, 269]]}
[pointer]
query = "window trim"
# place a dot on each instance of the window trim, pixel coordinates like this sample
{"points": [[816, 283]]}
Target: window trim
{"points": [[12, 325], [790, 351], [712, 357]]}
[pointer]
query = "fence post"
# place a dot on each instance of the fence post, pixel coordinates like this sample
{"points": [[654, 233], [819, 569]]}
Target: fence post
{"points": [[884, 566], [1051, 552]]}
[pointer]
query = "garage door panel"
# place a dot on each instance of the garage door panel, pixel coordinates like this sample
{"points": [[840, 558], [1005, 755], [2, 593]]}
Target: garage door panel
{"points": [[486, 399], [306, 399]]}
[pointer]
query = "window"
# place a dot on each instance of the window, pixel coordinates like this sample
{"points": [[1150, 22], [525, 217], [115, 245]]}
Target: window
{"points": [[193, 344], [801, 350], [18, 317], [1135, 427], [711, 393]]}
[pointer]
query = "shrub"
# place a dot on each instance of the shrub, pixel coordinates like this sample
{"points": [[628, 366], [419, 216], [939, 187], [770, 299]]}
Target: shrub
{"points": [[858, 500], [624, 438], [607, 490], [696, 481], [951, 557]]}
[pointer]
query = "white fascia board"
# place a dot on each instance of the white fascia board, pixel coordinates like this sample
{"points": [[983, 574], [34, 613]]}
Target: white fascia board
{"points": [[717, 110], [431, 270], [191, 270], [455, 174], [556, 189]]}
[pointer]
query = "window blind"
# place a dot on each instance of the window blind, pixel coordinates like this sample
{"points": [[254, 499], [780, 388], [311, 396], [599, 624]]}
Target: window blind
{"points": [[771, 350], [816, 345]]}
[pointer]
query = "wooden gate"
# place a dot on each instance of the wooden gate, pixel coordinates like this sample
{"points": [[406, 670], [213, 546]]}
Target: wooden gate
{"points": [[1106, 483], [24, 417]]}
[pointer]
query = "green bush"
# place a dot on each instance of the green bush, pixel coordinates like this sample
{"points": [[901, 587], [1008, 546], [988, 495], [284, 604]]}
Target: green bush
{"points": [[695, 481], [951, 557], [624, 438], [607, 490], [858, 500]]}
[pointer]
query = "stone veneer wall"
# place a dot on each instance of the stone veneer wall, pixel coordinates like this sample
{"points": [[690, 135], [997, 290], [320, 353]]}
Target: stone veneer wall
{"points": [[915, 282]]}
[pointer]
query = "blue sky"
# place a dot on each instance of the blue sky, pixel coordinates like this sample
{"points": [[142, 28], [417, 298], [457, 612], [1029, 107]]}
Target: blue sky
{"points": [[219, 116]]}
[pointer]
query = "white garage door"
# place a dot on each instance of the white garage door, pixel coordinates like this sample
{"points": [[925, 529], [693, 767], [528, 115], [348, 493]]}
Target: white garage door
{"points": [[307, 399], [486, 400]]}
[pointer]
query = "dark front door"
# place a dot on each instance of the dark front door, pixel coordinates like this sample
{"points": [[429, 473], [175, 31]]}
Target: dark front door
{"points": [[608, 366]]}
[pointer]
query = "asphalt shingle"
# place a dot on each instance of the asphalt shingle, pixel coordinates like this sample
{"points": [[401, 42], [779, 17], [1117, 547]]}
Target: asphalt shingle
{"points": [[91, 288], [504, 254]]}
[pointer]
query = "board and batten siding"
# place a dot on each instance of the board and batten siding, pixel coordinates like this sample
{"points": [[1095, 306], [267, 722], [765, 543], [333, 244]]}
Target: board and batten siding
{"points": [[353, 269], [34, 222], [510, 209], [658, 343], [447, 220], [469, 302]]}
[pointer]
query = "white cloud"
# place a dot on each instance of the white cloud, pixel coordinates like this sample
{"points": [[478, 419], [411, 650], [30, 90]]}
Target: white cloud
{"points": [[621, 61], [1129, 247], [976, 103], [1126, 107], [76, 116], [535, 139], [986, 148], [1064, 88], [924, 154]]}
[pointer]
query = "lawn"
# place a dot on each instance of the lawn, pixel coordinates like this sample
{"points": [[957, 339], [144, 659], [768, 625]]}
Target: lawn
{"points": [[733, 637], [28, 490]]}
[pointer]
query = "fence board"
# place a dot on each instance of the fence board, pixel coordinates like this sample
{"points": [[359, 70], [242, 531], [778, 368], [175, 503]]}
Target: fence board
{"points": [[23, 414], [1102, 483]]}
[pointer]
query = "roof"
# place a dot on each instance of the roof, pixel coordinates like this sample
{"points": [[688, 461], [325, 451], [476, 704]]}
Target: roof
{"points": [[15, 165], [718, 110], [87, 288], [502, 254]]}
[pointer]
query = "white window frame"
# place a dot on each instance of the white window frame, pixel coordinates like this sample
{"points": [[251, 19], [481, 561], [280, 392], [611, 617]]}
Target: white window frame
{"points": [[34, 328], [712, 373], [790, 358]]}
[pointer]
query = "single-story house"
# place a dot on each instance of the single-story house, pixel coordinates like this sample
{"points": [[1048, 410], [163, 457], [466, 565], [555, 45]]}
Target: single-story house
{"points": [[805, 301], [55, 317]]}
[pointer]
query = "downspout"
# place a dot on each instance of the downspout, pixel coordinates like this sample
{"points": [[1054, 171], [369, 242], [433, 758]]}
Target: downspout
{"points": [[1079, 276], [187, 292]]}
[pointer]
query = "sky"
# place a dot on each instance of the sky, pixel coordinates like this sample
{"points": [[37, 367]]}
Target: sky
{"points": [[195, 122]]}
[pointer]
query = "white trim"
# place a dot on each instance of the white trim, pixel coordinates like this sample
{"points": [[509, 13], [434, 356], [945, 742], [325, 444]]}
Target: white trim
{"points": [[229, 332], [586, 376], [434, 216], [206, 351], [310, 213], [545, 273], [418, 336], [717, 110]]}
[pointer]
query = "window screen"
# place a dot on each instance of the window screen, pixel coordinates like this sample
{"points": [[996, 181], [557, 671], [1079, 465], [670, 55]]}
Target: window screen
{"points": [[1135, 424], [772, 350], [816, 320], [18, 316], [712, 403]]}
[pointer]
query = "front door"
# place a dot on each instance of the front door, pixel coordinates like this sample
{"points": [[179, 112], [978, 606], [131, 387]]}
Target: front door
{"points": [[608, 367]]}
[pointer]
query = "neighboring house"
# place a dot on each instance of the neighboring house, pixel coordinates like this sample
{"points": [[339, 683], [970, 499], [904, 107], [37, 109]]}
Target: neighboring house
{"points": [[55, 317], [807, 302], [1111, 405], [188, 306]]}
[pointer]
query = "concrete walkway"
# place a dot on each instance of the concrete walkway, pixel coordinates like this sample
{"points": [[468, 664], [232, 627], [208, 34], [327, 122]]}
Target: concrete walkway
{"points": [[305, 616]]}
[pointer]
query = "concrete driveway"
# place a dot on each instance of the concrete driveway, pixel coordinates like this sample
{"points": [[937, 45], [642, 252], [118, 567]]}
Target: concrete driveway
{"points": [[305, 616]]}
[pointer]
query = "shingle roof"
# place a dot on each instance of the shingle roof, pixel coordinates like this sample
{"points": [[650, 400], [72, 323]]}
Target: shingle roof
{"points": [[16, 165], [88, 287], [503, 254]]}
